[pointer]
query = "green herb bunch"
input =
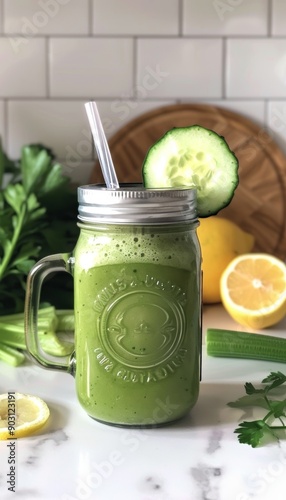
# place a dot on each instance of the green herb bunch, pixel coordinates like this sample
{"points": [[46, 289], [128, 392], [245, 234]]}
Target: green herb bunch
{"points": [[274, 422], [38, 209]]}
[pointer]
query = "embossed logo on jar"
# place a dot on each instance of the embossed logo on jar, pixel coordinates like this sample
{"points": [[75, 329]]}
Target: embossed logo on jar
{"points": [[142, 327]]}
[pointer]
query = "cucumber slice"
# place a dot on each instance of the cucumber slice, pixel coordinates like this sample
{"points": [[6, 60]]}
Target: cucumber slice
{"points": [[194, 157]]}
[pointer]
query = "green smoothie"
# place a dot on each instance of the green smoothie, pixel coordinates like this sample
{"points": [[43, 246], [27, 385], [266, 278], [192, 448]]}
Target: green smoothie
{"points": [[137, 310]]}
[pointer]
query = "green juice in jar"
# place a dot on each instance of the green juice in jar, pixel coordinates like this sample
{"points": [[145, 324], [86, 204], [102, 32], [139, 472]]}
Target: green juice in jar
{"points": [[137, 300], [137, 314]]}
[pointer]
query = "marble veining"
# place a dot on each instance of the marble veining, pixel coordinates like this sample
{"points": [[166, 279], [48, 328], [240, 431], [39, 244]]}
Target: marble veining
{"points": [[152, 484], [56, 438], [214, 443], [207, 480], [198, 458]]}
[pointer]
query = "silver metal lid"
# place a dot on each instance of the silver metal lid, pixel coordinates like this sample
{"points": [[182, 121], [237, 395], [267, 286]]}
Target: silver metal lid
{"points": [[134, 204]]}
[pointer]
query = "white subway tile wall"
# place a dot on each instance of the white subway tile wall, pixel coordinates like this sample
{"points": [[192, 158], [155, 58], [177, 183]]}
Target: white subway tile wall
{"points": [[279, 18], [1, 19], [46, 17], [276, 121], [250, 75], [233, 17], [136, 17], [131, 57], [80, 67], [23, 72], [2, 121], [60, 124], [114, 114], [168, 67]]}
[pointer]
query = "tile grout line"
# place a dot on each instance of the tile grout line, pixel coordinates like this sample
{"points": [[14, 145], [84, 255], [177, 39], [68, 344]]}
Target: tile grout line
{"points": [[4, 139], [143, 36], [269, 34], [269, 18], [47, 66], [135, 67], [180, 18], [90, 18], [78, 99], [223, 67], [266, 111], [6, 124], [2, 18], [90, 98]]}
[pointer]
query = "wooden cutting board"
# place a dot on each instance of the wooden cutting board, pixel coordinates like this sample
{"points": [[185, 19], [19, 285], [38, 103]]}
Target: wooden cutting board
{"points": [[259, 204]]}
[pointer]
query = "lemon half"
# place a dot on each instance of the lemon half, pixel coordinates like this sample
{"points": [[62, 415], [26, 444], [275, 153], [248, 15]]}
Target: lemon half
{"points": [[253, 290], [21, 415]]}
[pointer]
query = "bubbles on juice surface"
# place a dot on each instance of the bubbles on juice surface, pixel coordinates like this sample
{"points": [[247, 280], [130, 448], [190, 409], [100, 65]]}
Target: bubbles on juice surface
{"points": [[152, 248], [171, 249]]}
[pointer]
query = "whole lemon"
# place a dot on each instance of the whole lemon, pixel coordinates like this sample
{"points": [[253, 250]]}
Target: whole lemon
{"points": [[221, 241]]}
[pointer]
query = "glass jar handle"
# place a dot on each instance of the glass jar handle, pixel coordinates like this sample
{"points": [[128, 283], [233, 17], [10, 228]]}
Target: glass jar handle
{"points": [[47, 265]]}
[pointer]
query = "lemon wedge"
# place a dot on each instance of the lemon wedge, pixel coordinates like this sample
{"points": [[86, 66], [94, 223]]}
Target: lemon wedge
{"points": [[21, 415], [253, 290]]}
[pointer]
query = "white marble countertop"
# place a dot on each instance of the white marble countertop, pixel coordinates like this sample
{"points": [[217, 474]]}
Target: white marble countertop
{"points": [[198, 458]]}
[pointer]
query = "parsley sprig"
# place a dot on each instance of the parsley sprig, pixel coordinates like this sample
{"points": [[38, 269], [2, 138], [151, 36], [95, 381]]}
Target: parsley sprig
{"points": [[38, 209], [253, 432]]}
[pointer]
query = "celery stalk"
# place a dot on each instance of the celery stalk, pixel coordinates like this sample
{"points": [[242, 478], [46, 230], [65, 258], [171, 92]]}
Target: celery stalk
{"points": [[65, 320], [233, 344], [47, 319], [11, 356], [13, 337], [45, 312], [50, 321], [51, 344]]}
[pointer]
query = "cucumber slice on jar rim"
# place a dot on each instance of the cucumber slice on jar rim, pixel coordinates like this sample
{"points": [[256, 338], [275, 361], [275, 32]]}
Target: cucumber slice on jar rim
{"points": [[194, 157]]}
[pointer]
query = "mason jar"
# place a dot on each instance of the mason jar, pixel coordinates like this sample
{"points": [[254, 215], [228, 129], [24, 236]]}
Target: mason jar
{"points": [[137, 303]]}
